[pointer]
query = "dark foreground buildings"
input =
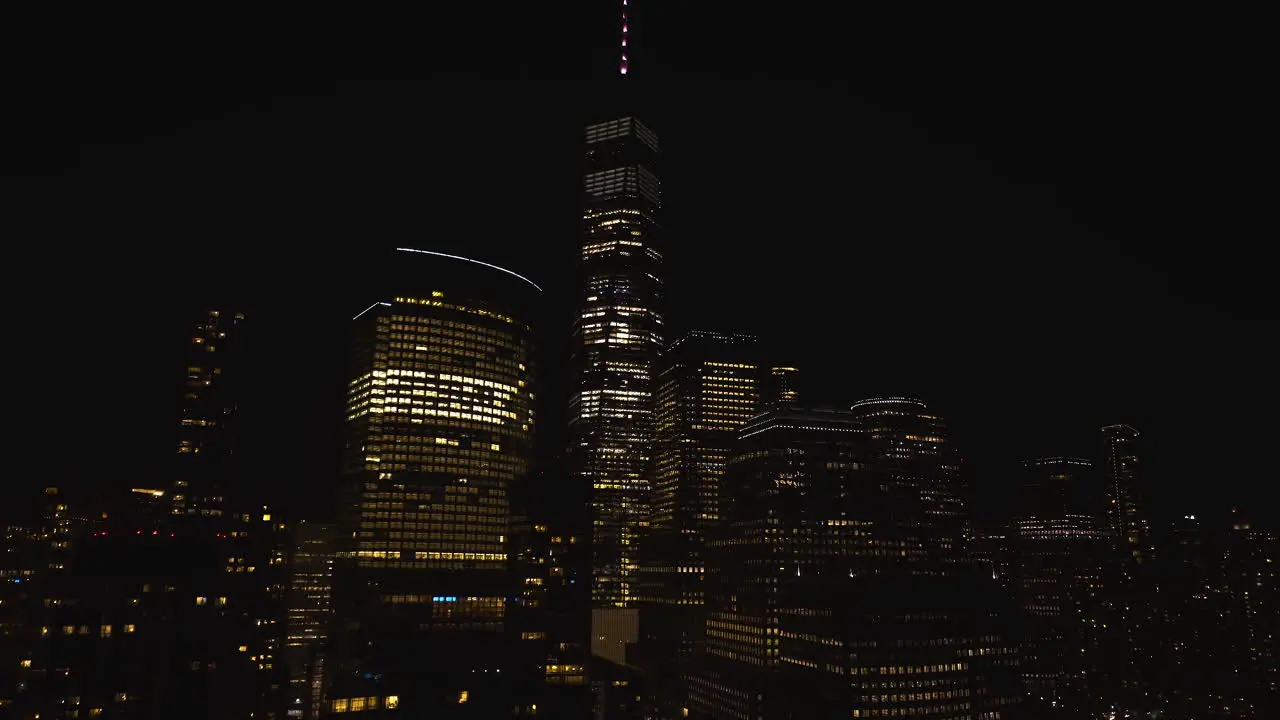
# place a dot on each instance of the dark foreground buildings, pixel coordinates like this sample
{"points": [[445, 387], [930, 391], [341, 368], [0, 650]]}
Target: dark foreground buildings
{"points": [[440, 424], [126, 614], [838, 585]]}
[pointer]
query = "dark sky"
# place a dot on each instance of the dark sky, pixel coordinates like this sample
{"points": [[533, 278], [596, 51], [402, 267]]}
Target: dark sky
{"points": [[1038, 222]]}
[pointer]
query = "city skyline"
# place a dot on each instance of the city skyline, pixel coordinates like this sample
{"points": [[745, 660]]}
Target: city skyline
{"points": [[1069, 412], [1055, 273], [881, 389]]}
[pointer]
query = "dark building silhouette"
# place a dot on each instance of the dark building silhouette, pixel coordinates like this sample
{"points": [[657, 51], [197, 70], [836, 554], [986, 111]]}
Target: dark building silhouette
{"points": [[1123, 474], [1251, 618], [139, 619], [709, 387], [833, 592], [439, 431], [164, 601], [209, 426], [308, 615], [1063, 561], [781, 387], [548, 620]]}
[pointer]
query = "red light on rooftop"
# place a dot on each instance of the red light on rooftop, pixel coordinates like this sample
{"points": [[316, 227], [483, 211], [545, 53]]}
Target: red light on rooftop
{"points": [[155, 532]]}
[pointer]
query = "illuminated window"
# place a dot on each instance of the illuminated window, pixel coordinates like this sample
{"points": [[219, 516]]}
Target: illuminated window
{"points": [[202, 600], [463, 696], [392, 702]]}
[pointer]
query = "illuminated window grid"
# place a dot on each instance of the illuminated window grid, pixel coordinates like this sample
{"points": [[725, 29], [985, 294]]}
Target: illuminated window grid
{"points": [[444, 395]]}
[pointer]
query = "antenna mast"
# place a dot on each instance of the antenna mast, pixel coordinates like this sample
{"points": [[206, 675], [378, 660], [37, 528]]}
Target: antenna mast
{"points": [[622, 64]]}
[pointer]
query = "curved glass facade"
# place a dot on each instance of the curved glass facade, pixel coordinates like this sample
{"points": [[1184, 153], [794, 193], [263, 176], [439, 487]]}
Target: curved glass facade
{"points": [[439, 425]]}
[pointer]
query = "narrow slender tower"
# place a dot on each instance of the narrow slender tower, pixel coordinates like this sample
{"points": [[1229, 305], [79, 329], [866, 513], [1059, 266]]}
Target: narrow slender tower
{"points": [[617, 340]]}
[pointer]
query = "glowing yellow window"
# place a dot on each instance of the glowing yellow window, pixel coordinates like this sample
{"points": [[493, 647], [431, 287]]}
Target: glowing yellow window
{"points": [[340, 705], [392, 702], [357, 704], [463, 696]]}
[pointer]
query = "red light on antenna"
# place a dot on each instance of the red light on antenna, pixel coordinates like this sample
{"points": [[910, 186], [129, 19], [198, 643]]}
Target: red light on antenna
{"points": [[139, 532]]}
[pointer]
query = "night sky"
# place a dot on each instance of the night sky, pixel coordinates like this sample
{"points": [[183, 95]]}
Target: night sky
{"points": [[1037, 223]]}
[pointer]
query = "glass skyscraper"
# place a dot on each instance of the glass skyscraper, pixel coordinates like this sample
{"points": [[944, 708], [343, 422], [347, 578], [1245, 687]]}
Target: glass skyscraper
{"points": [[440, 425], [617, 340]]}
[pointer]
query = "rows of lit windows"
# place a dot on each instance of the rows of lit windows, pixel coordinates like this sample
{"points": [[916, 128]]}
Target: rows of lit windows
{"points": [[360, 704]]}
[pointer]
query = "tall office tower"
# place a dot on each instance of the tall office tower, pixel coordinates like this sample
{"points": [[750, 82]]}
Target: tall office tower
{"points": [[1252, 618], [914, 448], [440, 425], [825, 599], [1126, 515], [781, 388], [308, 614], [707, 390], [617, 339], [210, 412], [1062, 551]]}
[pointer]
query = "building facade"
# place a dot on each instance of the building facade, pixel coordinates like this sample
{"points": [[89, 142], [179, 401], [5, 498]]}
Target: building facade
{"points": [[1063, 566], [141, 620], [1126, 513], [830, 594], [439, 428], [308, 614], [209, 423], [617, 341], [709, 387]]}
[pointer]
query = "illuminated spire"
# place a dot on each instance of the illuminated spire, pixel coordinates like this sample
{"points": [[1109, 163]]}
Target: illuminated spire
{"points": [[622, 63]]}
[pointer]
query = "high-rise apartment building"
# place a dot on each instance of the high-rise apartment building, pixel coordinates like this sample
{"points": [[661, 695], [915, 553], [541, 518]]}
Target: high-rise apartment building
{"points": [[709, 387], [617, 340], [439, 427], [1125, 513], [308, 613], [210, 414]]}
